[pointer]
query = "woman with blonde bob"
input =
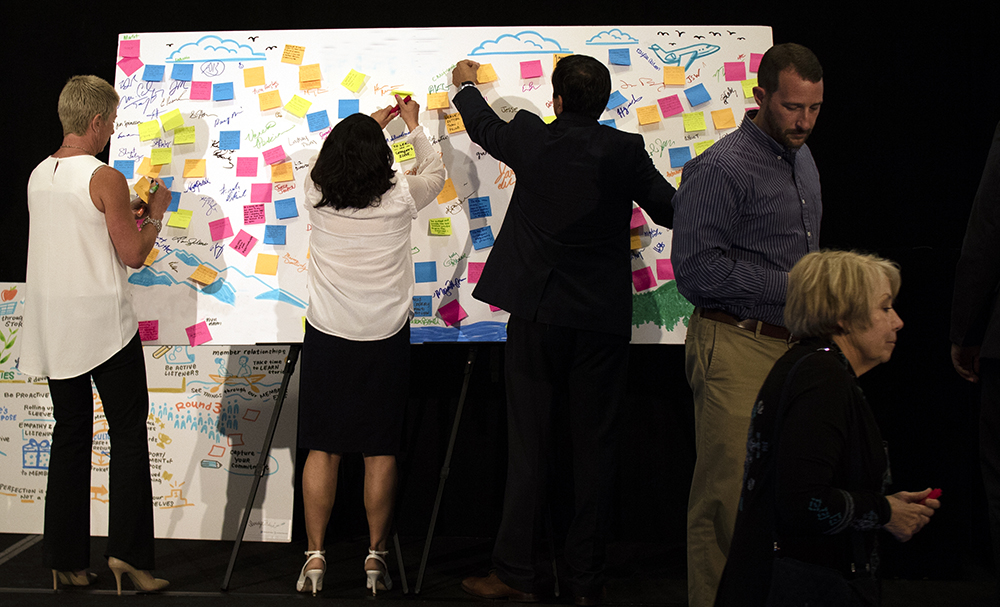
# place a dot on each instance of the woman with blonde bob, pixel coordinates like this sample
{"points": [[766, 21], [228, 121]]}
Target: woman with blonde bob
{"points": [[813, 495]]}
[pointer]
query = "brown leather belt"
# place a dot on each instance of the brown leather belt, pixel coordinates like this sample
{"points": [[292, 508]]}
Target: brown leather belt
{"points": [[748, 324]]}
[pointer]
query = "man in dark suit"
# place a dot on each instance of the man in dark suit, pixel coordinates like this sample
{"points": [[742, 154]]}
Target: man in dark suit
{"points": [[561, 267], [975, 325]]}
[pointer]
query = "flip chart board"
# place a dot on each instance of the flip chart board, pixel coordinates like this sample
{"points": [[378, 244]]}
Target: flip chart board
{"points": [[232, 119]]}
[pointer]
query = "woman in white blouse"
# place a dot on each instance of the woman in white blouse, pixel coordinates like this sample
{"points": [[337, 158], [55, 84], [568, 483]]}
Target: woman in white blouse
{"points": [[356, 351]]}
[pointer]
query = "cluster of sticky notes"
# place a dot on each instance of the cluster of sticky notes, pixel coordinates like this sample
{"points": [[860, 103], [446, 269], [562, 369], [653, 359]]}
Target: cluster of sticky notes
{"points": [[128, 50]]}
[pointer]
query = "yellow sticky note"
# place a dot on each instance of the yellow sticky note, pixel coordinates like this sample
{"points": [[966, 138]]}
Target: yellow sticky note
{"points": [[151, 257], [403, 151], [293, 54], [485, 73], [448, 192], [266, 264], [309, 73], [146, 168], [440, 226], [184, 134], [748, 87], [401, 93], [149, 130], [180, 218], [635, 242], [298, 106], [203, 274], [194, 167], [269, 100], [354, 81], [438, 101], [549, 119], [724, 119], [160, 156], [171, 120], [453, 122], [141, 188], [648, 114], [694, 121], [701, 146], [281, 172], [559, 57], [253, 76], [673, 74]]}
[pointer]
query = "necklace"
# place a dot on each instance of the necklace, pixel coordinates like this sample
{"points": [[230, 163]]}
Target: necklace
{"points": [[77, 148]]}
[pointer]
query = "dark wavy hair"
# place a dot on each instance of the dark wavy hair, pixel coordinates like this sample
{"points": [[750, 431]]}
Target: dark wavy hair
{"points": [[584, 84], [354, 168], [780, 57]]}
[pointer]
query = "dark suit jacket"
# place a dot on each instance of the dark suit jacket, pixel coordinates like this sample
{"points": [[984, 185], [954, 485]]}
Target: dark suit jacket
{"points": [[562, 256], [975, 309]]}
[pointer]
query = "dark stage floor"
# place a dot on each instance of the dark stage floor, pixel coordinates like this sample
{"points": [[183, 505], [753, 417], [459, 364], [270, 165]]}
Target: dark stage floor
{"points": [[265, 574]]}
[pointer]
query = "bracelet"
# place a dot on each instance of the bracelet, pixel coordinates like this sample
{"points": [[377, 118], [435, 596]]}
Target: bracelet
{"points": [[149, 220]]}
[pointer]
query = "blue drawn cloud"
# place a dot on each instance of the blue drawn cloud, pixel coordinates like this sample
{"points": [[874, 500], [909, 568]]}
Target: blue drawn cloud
{"points": [[523, 43], [615, 36], [214, 48]]}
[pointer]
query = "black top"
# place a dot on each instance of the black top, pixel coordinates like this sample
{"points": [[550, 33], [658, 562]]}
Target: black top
{"points": [[830, 467]]}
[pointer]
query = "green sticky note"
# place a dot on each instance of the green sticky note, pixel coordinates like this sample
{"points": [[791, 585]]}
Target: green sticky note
{"points": [[184, 134], [748, 87], [149, 130], [403, 151], [171, 120], [160, 156], [180, 218], [701, 146], [694, 121], [441, 226], [298, 106]]}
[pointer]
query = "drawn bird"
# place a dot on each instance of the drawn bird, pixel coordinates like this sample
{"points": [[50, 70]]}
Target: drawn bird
{"points": [[715, 33], [699, 37], [731, 33], [741, 38], [253, 38], [679, 33], [170, 44], [268, 48], [662, 33]]}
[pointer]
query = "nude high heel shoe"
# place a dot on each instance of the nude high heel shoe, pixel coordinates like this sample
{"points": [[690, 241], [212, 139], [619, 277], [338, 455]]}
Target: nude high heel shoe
{"points": [[141, 579], [69, 578], [312, 578], [378, 579]]}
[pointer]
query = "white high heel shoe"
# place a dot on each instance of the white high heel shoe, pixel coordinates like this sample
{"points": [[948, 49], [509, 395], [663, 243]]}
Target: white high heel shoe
{"points": [[378, 579], [313, 578]]}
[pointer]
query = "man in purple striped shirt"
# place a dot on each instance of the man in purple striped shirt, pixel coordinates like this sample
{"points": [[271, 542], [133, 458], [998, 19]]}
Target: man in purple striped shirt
{"points": [[747, 209]]}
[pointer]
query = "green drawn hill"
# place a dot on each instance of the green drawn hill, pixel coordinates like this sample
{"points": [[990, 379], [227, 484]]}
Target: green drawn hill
{"points": [[665, 307]]}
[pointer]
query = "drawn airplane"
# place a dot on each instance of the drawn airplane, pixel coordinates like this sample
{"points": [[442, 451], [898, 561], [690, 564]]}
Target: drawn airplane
{"points": [[688, 53]]}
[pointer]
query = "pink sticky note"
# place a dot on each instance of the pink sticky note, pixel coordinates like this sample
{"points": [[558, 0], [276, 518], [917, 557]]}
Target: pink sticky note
{"points": [[198, 334], [220, 228], [246, 166], [200, 91], [735, 70], [494, 308], [637, 218], [531, 69], [253, 214], [149, 330], [452, 312], [670, 106], [475, 269], [755, 61], [130, 65], [643, 279], [664, 269], [128, 48], [260, 192], [243, 243], [275, 154]]}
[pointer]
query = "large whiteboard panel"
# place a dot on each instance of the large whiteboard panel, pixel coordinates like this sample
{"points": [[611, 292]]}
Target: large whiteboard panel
{"points": [[259, 292], [209, 408]]}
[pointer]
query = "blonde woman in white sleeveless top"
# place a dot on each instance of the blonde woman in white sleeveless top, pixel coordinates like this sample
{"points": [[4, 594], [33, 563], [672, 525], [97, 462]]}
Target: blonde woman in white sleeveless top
{"points": [[79, 325]]}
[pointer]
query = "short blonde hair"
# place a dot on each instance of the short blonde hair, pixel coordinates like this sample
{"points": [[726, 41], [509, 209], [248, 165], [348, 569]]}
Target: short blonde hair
{"points": [[81, 99], [831, 289]]}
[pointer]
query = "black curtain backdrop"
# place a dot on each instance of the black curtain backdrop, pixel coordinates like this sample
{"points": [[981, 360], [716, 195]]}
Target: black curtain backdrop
{"points": [[911, 102]]}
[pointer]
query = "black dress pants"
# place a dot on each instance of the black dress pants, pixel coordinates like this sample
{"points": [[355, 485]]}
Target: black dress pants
{"points": [[121, 383], [585, 370], [989, 446]]}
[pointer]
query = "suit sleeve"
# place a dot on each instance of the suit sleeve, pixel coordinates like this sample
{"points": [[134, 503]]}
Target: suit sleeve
{"points": [[651, 191], [485, 128]]}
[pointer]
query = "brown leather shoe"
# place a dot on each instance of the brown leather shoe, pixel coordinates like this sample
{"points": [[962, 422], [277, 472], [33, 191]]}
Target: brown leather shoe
{"points": [[490, 587]]}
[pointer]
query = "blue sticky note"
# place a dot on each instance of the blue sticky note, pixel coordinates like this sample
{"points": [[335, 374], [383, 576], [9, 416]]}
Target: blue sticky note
{"points": [[285, 208], [153, 73], [697, 95], [616, 99], [229, 140], [318, 121], [678, 156], [182, 71], [168, 181], [347, 107], [274, 234], [609, 122], [222, 91], [619, 56], [425, 271], [482, 237], [126, 168], [422, 305], [480, 207], [175, 202]]}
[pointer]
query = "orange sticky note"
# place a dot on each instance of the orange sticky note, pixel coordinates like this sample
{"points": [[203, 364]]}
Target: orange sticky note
{"points": [[454, 123], [448, 192], [253, 76], [269, 100], [281, 172], [151, 257], [266, 264], [293, 54], [724, 118], [309, 72], [309, 85], [148, 169], [485, 73], [648, 114], [673, 74], [438, 101], [203, 275], [559, 57], [141, 188], [194, 168]]}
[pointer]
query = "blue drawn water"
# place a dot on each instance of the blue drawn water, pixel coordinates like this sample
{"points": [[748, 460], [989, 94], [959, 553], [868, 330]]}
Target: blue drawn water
{"points": [[480, 331]]}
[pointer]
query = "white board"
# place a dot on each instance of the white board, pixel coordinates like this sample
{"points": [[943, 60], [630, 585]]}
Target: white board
{"points": [[247, 303]]}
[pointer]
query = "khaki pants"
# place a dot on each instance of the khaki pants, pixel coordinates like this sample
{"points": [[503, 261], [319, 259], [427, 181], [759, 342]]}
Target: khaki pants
{"points": [[725, 366]]}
